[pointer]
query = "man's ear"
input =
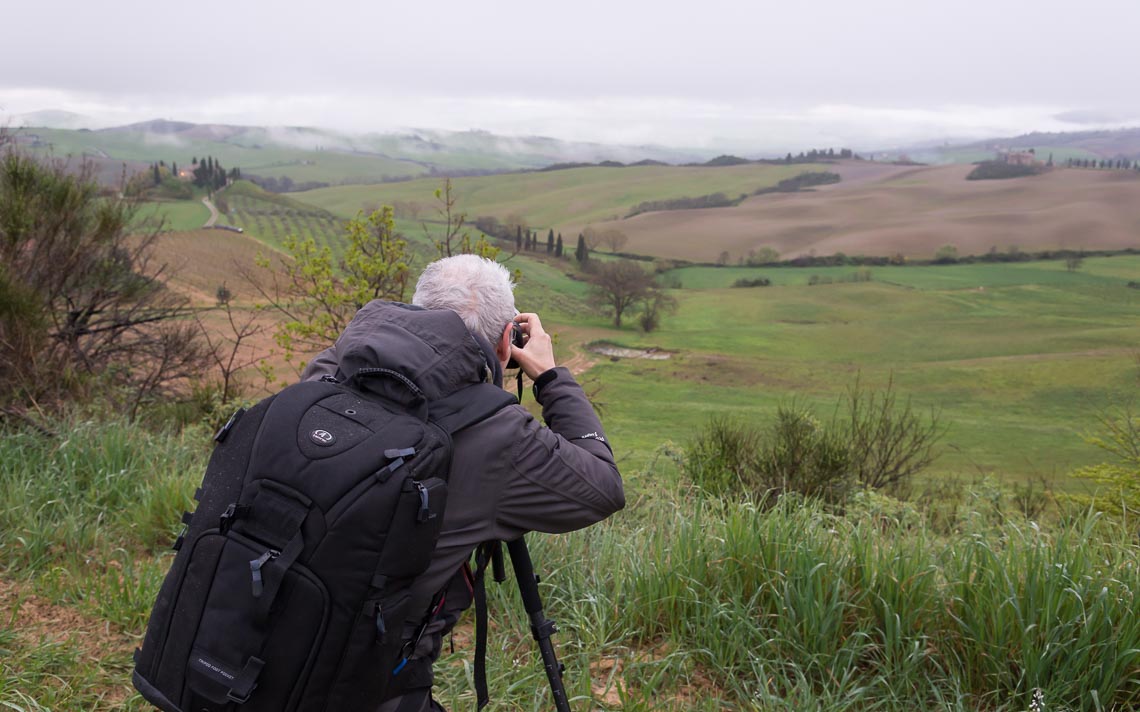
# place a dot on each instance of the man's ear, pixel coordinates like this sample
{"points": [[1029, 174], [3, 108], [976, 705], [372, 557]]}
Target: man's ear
{"points": [[503, 346]]}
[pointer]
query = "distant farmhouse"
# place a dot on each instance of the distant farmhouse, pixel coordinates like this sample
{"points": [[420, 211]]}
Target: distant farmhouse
{"points": [[1014, 157]]}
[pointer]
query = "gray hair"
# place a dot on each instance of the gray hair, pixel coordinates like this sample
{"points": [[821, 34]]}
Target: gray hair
{"points": [[479, 290]]}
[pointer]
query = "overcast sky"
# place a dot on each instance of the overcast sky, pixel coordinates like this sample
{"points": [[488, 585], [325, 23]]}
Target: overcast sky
{"points": [[754, 75]]}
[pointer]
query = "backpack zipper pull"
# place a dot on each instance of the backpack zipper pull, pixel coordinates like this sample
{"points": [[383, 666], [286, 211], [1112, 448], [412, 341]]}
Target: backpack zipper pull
{"points": [[425, 511], [381, 629], [255, 567]]}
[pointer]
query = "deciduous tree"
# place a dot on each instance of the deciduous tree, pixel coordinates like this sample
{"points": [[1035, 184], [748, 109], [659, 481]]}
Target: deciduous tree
{"points": [[618, 285], [318, 296]]}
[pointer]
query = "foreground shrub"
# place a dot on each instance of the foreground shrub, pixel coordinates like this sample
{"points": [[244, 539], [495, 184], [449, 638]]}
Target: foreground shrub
{"points": [[874, 441], [87, 306]]}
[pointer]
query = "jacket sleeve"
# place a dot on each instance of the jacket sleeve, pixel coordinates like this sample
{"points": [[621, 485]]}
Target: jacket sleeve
{"points": [[564, 475]]}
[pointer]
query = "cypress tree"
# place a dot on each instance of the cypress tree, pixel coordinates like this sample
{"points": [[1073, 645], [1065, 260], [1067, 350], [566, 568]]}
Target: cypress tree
{"points": [[550, 241], [558, 246], [174, 169], [581, 253]]}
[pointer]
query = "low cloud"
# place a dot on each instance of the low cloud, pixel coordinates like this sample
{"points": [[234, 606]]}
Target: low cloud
{"points": [[744, 126]]}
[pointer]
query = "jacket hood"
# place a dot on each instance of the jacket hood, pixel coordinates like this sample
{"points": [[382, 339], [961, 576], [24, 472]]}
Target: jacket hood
{"points": [[431, 347]]}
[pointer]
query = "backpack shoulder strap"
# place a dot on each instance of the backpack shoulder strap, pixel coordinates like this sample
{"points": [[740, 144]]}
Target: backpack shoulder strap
{"points": [[469, 405]]}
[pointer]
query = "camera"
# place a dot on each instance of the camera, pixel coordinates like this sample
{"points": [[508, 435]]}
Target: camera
{"points": [[517, 339]]}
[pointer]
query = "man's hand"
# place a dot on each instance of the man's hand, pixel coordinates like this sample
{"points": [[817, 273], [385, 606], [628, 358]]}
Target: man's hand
{"points": [[537, 357]]}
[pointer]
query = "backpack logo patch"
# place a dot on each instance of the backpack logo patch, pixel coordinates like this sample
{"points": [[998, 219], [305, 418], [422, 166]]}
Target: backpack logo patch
{"points": [[322, 437]]}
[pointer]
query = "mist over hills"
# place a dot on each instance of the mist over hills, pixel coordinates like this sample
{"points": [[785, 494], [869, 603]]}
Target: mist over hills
{"points": [[1109, 144], [309, 154]]}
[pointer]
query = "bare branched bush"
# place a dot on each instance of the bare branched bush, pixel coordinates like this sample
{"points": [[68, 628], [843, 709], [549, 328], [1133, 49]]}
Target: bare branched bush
{"points": [[889, 440], [85, 306]]}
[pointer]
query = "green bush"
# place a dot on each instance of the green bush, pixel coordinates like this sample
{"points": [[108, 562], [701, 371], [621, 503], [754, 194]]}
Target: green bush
{"points": [[873, 441], [796, 454], [996, 170], [1118, 480], [758, 282]]}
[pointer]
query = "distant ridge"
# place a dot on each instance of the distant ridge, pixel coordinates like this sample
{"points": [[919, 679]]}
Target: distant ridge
{"points": [[314, 156], [160, 126], [1115, 143], [1110, 144], [52, 118]]}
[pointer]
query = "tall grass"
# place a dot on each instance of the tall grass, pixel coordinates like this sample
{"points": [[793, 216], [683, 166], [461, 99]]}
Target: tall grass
{"points": [[681, 602]]}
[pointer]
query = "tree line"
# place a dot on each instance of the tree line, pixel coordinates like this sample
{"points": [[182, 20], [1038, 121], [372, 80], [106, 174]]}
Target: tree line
{"points": [[721, 200], [1119, 164]]}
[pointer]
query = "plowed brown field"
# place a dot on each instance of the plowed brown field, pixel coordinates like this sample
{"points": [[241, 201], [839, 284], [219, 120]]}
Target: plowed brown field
{"points": [[881, 210]]}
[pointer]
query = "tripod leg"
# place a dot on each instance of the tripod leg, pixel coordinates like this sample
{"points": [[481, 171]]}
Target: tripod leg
{"points": [[540, 626]]}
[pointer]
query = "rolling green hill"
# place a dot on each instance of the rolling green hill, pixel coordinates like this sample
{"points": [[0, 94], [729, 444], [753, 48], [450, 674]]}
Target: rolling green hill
{"points": [[572, 197], [1017, 359]]}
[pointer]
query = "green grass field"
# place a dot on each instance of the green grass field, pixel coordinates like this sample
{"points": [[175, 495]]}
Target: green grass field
{"points": [[1017, 358], [554, 199], [1098, 270], [178, 215]]}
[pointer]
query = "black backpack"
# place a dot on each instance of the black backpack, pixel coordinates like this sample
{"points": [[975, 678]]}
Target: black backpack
{"points": [[291, 587]]}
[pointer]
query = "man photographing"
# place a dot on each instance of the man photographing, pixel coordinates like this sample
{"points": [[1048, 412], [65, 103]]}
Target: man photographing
{"points": [[509, 474]]}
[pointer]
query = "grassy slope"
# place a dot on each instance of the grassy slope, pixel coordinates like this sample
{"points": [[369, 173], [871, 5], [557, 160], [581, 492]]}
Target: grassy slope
{"points": [[563, 199], [178, 214], [679, 603], [1018, 368]]}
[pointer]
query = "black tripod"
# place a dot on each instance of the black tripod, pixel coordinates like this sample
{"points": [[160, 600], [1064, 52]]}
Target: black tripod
{"points": [[541, 627]]}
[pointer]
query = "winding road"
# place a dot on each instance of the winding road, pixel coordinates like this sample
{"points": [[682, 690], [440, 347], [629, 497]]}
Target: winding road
{"points": [[213, 212]]}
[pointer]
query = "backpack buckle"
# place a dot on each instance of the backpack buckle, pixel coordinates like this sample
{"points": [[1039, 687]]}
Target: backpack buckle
{"points": [[233, 511]]}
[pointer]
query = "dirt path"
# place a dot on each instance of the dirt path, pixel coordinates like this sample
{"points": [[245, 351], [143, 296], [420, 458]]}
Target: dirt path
{"points": [[578, 362], [213, 212]]}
